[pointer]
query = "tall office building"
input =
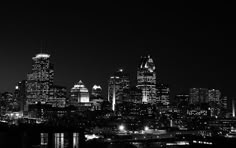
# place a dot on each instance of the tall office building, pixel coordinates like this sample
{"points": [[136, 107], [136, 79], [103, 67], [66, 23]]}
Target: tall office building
{"points": [[224, 102], [214, 95], [8, 102], [133, 95], [20, 94], [79, 94], [96, 97], [163, 94], [146, 79], [198, 95], [203, 95], [40, 80], [58, 96], [116, 86], [182, 101], [96, 91], [193, 95]]}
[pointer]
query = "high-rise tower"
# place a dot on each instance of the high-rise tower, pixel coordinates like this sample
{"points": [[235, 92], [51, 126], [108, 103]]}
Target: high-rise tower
{"points": [[198, 95], [79, 94], [20, 94], [40, 80], [146, 79], [163, 94], [116, 86]]}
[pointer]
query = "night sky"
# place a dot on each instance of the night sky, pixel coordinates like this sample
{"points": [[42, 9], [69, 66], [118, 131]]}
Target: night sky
{"points": [[192, 44]]}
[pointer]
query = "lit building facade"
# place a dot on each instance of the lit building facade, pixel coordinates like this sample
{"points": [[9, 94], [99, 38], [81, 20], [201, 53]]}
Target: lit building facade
{"points": [[8, 102], [79, 94], [224, 102], [214, 95], [163, 94], [96, 97], [116, 86], [40, 80], [198, 95], [58, 96], [146, 79], [96, 91]]}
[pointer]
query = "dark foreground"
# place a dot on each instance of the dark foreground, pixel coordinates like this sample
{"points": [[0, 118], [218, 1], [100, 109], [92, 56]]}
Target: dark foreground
{"points": [[51, 138]]}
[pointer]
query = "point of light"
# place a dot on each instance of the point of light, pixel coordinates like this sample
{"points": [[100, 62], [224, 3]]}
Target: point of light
{"points": [[146, 128], [95, 87], [121, 127]]}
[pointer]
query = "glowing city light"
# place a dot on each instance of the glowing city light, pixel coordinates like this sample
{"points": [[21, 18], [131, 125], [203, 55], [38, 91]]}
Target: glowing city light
{"points": [[95, 87], [42, 55], [121, 127], [90, 137], [146, 128]]}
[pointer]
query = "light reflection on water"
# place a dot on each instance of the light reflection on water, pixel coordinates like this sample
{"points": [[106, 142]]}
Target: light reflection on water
{"points": [[75, 140], [59, 140], [44, 139]]}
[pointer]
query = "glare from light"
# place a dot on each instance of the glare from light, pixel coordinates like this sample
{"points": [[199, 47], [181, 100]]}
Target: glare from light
{"points": [[146, 128], [121, 127]]}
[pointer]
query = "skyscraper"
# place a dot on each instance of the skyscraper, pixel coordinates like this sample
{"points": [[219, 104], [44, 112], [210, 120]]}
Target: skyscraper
{"points": [[146, 79], [8, 103], [133, 95], [116, 86], [198, 95], [163, 94], [182, 102], [40, 80], [96, 97], [58, 96], [224, 102], [20, 94], [79, 94], [96, 91], [214, 95]]}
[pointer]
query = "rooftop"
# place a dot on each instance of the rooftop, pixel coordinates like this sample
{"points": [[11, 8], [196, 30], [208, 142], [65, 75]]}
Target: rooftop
{"points": [[41, 55]]}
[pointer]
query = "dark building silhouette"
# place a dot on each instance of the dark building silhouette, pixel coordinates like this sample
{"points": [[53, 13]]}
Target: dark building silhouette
{"points": [[20, 94], [198, 95], [8, 102], [133, 95]]}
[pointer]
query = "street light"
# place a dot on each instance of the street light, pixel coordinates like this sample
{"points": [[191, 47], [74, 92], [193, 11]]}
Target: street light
{"points": [[146, 128], [121, 127]]}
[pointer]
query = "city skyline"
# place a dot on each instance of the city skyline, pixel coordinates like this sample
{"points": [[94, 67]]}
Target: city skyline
{"points": [[185, 49], [103, 74], [134, 83]]}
